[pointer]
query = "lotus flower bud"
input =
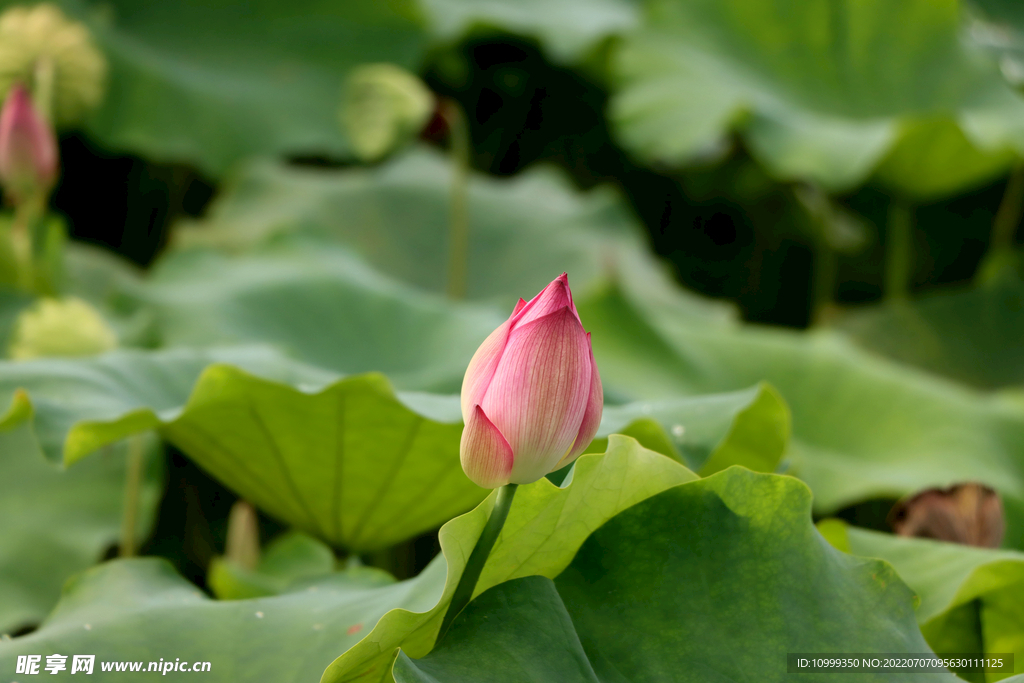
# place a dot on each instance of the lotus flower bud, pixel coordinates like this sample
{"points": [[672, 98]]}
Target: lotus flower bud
{"points": [[532, 396], [28, 147], [384, 106]]}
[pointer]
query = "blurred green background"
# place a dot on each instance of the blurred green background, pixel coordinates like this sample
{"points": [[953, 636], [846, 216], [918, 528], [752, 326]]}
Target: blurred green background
{"points": [[791, 227], [762, 146]]}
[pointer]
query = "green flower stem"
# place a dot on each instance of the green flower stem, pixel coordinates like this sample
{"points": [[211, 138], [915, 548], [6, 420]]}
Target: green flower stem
{"points": [[458, 220], [478, 558], [45, 77], [242, 545], [899, 254], [27, 215], [1004, 225], [132, 486], [823, 284]]}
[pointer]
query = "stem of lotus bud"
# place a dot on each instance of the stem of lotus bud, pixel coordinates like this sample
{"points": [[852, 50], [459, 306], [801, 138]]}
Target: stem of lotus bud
{"points": [[132, 486], [478, 558], [899, 253], [243, 542], [458, 218], [44, 82], [1000, 255], [823, 279], [27, 215]]}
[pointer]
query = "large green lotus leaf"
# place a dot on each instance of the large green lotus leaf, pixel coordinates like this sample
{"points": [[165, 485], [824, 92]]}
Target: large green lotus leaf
{"points": [[820, 90], [516, 631], [211, 83], [349, 461], [142, 611], [524, 231], [58, 522], [350, 464], [320, 304], [934, 158], [972, 335], [997, 27], [707, 433], [134, 389], [99, 275], [863, 427], [566, 28], [972, 599], [545, 527], [710, 580]]}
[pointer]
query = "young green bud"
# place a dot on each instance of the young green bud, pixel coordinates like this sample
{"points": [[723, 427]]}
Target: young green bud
{"points": [[60, 327], [384, 106]]}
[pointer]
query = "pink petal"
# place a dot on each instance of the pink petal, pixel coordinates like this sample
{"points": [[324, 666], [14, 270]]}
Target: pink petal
{"points": [[485, 454], [539, 392], [592, 416], [28, 146], [552, 298], [519, 307], [481, 368]]}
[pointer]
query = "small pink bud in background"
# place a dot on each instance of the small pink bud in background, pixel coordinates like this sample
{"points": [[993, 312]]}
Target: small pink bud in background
{"points": [[532, 396], [28, 147]]}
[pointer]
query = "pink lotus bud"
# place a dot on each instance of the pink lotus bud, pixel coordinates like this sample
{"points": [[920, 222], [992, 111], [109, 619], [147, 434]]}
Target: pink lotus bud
{"points": [[532, 396], [28, 147]]}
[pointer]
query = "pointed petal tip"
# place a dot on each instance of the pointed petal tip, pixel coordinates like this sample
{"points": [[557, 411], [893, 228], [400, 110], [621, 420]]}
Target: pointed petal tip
{"points": [[555, 295]]}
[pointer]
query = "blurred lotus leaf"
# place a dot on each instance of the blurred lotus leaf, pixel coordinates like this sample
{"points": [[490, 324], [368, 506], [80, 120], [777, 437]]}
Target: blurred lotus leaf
{"points": [[141, 609], [707, 433], [319, 303], [211, 83], [934, 157], [289, 559], [820, 91], [58, 522], [863, 426], [970, 335], [566, 28], [971, 599], [395, 216]]}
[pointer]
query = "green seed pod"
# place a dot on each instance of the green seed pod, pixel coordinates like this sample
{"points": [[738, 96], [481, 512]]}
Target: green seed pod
{"points": [[40, 44], [60, 327], [383, 106]]}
